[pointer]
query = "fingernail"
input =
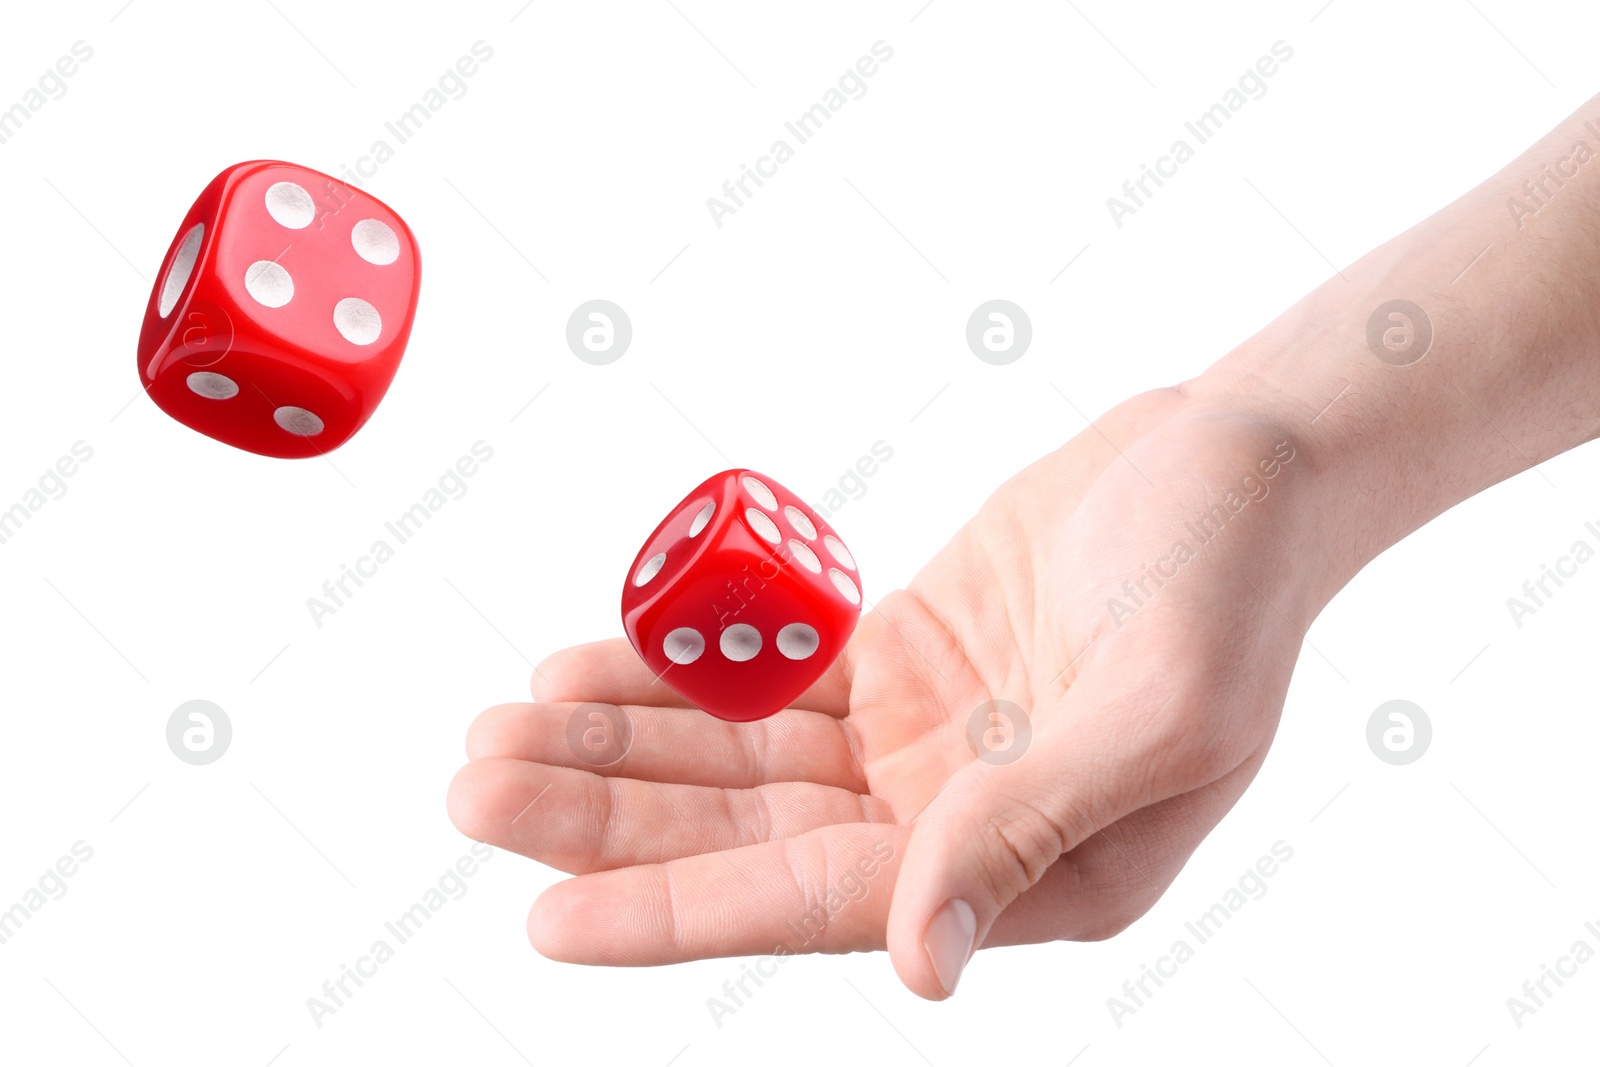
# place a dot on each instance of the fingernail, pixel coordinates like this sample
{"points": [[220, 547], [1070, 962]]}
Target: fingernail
{"points": [[948, 941]]}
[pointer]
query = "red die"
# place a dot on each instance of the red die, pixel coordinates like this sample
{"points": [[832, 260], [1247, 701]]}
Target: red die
{"points": [[282, 310], [742, 597]]}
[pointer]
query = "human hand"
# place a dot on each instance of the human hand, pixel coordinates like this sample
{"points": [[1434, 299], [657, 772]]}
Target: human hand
{"points": [[1152, 705]]}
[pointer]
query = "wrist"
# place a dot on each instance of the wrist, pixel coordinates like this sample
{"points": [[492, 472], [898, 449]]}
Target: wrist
{"points": [[1488, 368]]}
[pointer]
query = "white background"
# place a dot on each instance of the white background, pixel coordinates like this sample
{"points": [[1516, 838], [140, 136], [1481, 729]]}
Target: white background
{"points": [[826, 315]]}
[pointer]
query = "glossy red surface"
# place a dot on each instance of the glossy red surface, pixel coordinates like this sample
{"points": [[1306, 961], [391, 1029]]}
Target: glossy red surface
{"points": [[241, 368], [731, 579]]}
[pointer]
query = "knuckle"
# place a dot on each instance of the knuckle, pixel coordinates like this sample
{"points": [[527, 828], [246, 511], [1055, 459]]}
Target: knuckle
{"points": [[807, 863], [1189, 744], [1022, 842]]}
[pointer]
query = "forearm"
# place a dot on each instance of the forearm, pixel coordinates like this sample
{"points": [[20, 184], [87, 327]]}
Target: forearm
{"points": [[1512, 376]]}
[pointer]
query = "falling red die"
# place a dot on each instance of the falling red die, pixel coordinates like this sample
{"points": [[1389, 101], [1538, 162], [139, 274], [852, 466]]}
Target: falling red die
{"points": [[281, 310], [742, 597]]}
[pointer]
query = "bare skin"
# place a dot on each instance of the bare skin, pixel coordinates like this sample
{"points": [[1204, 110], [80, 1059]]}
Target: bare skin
{"points": [[1153, 677]]}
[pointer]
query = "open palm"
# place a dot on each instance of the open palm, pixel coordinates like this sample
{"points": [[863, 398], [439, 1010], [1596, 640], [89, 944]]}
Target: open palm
{"points": [[853, 820]]}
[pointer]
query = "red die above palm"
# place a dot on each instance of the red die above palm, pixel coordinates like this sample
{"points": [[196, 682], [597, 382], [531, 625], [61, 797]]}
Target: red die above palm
{"points": [[281, 312], [742, 597]]}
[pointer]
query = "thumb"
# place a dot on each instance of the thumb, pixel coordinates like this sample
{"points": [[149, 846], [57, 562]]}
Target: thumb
{"points": [[1067, 770]]}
